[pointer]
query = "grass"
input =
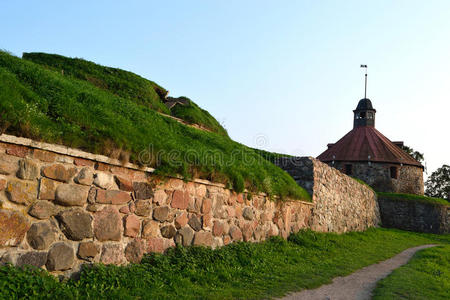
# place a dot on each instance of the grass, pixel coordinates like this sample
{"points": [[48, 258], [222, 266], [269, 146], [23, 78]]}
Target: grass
{"points": [[236, 271], [418, 198], [426, 276], [119, 82], [193, 114], [126, 85], [43, 104]]}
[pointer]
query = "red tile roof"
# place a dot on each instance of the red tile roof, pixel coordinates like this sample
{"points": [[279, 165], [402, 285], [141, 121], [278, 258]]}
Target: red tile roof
{"points": [[363, 141]]}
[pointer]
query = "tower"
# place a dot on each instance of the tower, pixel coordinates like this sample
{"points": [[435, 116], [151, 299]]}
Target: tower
{"points": [[364, 114]]}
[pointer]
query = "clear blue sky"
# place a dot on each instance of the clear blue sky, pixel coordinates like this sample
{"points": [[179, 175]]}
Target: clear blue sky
{"points": [[280, 75]]}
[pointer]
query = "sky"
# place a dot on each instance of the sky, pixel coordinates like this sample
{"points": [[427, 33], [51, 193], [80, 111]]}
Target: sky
{"points": [[279, 75]]}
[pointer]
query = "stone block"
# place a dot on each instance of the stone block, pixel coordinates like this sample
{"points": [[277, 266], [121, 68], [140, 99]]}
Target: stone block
{"points": [[132, 226], [21, 192], [203, 238], [88, 251], [43, 210], [81, 162], [161, 213], [156, 245], [13, 226], [150, 229], [17, 150], [112, 254], [104, 180], [206, 206], [195, 223], [32, 258], [107, 225], [28, 169], [200, 191], [180, 199], [143, 208], [59, 172], [85, 176], [41, 235], [142, 190], [135, 250], [181, 220], [76, 224], [160, 197], [47, 189], [71, 195], [125, 209], [184, 236], [124, 184], [60, 257], [218, 228], [44, 156], [235, 233], [8, 164], [112, 197], [248, 213], [168, 231]]}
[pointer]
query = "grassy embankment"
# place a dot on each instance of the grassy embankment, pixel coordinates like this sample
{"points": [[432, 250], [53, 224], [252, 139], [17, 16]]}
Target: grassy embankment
{"points": [[426, 276], [242, 270], [113, 112], [416, 198]]}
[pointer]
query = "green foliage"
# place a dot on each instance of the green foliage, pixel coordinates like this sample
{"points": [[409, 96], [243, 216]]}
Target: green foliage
{"points": [[411, 197], [426, 276], [32, 283], [193, 114], [414, 154], [45, 105], [236, 271], [438, 184]]}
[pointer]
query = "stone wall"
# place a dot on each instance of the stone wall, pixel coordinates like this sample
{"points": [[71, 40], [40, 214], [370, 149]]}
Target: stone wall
{"points": [[414, 215], [61, 208], [341, 203], [378, 176]]}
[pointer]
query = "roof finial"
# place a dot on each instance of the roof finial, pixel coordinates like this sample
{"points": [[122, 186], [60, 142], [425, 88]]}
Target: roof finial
{"points": [[365, 86]]}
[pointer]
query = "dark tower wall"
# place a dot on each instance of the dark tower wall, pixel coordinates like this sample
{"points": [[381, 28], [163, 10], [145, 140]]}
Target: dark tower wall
{"points": [[385, 177]]}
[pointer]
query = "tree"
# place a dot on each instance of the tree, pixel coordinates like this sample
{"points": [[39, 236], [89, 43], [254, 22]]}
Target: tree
{"points": [[438, 184], [415, 154]]}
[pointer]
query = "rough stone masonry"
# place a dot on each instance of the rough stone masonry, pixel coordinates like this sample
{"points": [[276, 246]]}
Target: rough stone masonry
{"points": [[59, 211]]}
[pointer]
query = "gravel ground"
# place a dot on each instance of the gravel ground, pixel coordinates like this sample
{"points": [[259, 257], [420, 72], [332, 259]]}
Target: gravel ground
{"points": [[360, 284]]}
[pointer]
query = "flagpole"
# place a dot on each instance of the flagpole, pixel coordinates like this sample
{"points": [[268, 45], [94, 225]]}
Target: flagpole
{"points": [[365, 86], [365, 82]]}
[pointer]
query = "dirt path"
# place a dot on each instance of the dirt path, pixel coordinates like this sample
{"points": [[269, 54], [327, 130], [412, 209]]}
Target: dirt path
{"points": [[358, 285]]}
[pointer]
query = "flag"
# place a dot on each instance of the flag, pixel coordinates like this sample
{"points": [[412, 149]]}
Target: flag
{"points": [[363, 66]]}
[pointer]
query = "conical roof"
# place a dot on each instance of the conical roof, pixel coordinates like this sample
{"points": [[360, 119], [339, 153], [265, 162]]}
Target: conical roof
{"points": [[365, 141]]}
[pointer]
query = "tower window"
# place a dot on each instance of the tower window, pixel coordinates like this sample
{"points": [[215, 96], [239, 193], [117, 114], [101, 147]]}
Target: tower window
{"points": [[394, 172], [362, 115], [370, 115], [348, 169]]}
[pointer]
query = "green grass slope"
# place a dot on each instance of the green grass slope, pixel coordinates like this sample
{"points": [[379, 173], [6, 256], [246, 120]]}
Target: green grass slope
{"points": [[126, 85], [417, 198], [192, 113], [426, 276], [46, 105], [236, 271]]}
